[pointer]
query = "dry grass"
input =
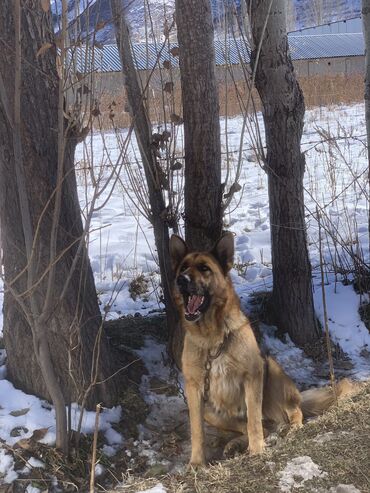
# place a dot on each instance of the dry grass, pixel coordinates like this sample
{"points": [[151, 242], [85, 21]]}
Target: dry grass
{"points": [[330, 90], [319, 91], [344, 456]]}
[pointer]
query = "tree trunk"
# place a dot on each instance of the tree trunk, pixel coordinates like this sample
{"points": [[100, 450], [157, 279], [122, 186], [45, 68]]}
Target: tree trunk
{"points": [[143, 132], [74, 321], [203, 191], [283, 113], [366, 28]]}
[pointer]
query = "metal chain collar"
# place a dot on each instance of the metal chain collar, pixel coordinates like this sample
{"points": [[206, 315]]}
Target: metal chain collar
{"points": [[208, 366], [174, 374]]}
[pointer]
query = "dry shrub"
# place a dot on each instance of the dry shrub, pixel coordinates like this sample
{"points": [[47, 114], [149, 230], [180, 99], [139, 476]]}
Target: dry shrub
{"points": [[318, 90], [327, 90]]}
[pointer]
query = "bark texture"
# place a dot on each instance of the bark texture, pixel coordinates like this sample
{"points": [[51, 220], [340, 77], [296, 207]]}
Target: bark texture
{"points": [[143, 132], [73, 324], [203, 191], [283, 113]]}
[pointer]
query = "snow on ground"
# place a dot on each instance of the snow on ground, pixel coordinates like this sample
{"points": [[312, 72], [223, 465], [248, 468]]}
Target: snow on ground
{"points": [[121, 248], [345, 325], [293, 360], [297, 472], [28, 413], [344, 488], [159, 488], [21, 415]]}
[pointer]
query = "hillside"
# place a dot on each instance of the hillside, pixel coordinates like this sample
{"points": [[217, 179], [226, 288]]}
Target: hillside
{"points": [[317, 12], [301, 13]]}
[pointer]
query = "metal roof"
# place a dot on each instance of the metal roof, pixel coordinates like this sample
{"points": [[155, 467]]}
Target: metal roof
{"points": [[229, 52], [326, 46]]}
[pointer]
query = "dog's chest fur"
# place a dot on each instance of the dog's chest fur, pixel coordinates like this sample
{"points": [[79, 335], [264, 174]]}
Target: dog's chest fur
{"points": [[226, 393]]}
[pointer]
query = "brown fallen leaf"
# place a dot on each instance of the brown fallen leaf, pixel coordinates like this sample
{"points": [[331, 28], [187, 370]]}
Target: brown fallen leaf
{"points": [[39, 434], [21, 412], [23, 443]]}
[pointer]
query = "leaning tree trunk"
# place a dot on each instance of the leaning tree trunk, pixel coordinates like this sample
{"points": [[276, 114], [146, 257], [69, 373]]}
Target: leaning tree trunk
{"points": [[143, 132], [203, 191], [74, 321], [283, 113], [366, 28]]}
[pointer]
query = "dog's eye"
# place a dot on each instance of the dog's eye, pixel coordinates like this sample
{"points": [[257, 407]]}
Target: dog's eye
{"points": [[203, 268], [183, 268]]}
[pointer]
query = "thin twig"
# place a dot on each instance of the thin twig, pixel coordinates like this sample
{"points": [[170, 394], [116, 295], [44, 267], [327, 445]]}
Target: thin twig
{"points": [[326, 324], [95, 443]]}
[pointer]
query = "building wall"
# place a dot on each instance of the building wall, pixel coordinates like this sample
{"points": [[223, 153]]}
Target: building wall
{"points": [[330, 66]]}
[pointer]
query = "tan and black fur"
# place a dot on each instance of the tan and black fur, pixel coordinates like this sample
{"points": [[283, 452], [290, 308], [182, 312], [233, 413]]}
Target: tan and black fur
{"points": [[247, 391]]}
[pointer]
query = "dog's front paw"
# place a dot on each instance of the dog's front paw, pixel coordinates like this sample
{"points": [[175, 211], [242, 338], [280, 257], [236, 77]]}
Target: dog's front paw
{"points": [[236, 446], [197, 461], [196, 465]]}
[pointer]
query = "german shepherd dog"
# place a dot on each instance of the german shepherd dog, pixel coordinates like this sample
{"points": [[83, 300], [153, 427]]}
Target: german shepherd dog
{"points": [[228, 382]]}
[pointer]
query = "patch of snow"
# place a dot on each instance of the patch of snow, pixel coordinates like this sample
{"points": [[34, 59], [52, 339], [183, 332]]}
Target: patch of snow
{"points": [[345, 324], [32, 489], [296, 364], [7, 472], [36, 414], [109, 450], [325, 437], [159, 488], [150, 454], [99, 470], [297, 472], [328, 436], [41, 415], [344, 488], [113, 437], [33, 462]]}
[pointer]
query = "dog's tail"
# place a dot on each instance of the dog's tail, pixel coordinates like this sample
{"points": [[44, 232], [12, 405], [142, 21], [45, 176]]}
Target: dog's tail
{"points": [[316, 401]]}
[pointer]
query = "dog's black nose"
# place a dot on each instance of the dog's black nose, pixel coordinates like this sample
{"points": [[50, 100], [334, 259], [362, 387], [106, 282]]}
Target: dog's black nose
{"points": [[182, 281]]}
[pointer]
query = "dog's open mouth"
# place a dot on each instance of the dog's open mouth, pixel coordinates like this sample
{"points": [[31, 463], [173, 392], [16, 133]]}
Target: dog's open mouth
{"points": [[195, 306]]}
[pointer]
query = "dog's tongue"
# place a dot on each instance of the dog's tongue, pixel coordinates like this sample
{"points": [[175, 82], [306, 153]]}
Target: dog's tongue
{"points": [[194, 303]]}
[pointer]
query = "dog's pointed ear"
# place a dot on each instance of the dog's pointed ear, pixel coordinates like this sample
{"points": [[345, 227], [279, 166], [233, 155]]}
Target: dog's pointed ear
{"points": [[178, 250], [224, 251]]}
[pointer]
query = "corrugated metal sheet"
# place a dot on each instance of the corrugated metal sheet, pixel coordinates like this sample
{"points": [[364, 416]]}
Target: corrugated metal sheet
{"points": [[230, 52], [326, 46]]}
